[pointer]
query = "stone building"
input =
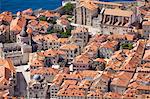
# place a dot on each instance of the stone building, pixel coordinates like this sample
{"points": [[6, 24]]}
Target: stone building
{"points": [[55, 86], [146, 29], [8, 77], [81, 33], [120, 82], [16, 26], [82, 62], [23, 37], [101, 82], [71, 50], [17, 52], [37, 88], [4, 33], [108, 48], [103, 16]]}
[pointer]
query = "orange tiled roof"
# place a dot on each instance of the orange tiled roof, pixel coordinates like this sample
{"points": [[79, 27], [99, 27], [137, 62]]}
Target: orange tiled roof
{"points": [[17, 24], [116, 36], [92, 47], [63, 40], [130, 64], [6, 16], [49, 14], [29, 30], [58, 79], [88, 73], [146, 23], [112, 95], [146, 65], [130, 93], [29, 17], [146, 55], [69, 47], [33, 22], [71, 92], [99, 60], [50, 37], [6, 70], [129, 37], [96, 93], [79, 30], [88, 4], [109, 44], [122, 79], [8, 64], [4, 75], [27, 11], [66, 83], [99, 38], [51, 53], [120, 12], [82, 59], [43, 24], [144, 12], [37, 63], [147, 16], [4, 94], [45, 70]]}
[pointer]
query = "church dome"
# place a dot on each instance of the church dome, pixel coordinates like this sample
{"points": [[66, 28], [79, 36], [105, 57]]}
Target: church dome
{"points": [[37, 77], [23, 33]]}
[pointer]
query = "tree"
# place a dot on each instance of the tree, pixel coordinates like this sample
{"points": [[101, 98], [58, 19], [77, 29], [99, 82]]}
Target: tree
{"points": [[68, 8], [51, 20], [42, 18], [127, 46]]}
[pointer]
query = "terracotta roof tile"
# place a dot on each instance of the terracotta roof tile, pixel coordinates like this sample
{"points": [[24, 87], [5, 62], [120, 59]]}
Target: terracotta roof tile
{"points": [[109, 44], [82, 59], [112, 95], [37, 63], [88, 4], [147, 55], [63, 40], [29, 17], [71, 92], [130, 37], [79, 30], [49, 14], [122, 79], [96, 93], [119, 12], [6, 16], [45, 70], [69, 47], [100, 60], [27, 11], [17, 24], [50, 37], [29, 30]]}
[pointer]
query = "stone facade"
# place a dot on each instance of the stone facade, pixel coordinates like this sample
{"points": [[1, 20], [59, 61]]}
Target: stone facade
{"points": [[102, 16], [37, 88], [17, 52]]}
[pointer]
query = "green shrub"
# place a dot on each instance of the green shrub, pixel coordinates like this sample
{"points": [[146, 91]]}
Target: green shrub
{"points": [[42, 18], [127, 46], [68, 8]]}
